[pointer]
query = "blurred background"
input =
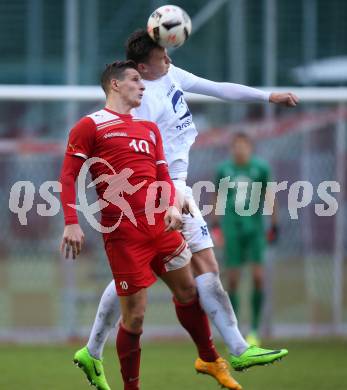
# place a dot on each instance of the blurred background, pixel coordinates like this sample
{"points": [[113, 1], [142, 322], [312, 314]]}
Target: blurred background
{"points": [[264, 43]]}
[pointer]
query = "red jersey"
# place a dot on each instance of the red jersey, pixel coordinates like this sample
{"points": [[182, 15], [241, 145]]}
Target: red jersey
{"points": [[124, 142]]}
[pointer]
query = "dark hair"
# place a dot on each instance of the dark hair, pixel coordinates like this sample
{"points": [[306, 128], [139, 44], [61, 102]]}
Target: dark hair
{"points": [[115, 71], [139, 45], [241, 135]]}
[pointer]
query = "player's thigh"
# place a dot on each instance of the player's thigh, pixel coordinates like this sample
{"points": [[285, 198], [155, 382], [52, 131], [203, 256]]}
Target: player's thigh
{"points": [[130, 254], [204, 261], [258, 275], [181, 283], [256, 244], [195, 229], [133, 309], [172, 252], [171, 263], [233, 276], [234, 254]]}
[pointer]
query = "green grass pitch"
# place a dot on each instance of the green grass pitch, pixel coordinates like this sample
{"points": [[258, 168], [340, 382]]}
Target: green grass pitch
{"points": [[310, 365]]}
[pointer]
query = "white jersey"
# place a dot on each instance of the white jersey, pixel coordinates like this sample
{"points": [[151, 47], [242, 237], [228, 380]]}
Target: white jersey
{"points": [[163, 102]]}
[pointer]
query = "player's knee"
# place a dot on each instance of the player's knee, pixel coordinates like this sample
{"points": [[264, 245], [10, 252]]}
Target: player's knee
{"points": [[186, 293], [133, 319], [258, 282], [134, 322], [233, 285], [258, 278], [233, 280]]}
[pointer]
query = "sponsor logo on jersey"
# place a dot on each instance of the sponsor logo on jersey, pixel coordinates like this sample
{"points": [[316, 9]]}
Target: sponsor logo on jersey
{"points": [[179, 105], [115, 134], [185, 124]]}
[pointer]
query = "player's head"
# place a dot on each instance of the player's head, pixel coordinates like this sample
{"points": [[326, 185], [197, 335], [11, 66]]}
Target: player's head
{"points": [[241, 148], [152, 60], [123, 80]]}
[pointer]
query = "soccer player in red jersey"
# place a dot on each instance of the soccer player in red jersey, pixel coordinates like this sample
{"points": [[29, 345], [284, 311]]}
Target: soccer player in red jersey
{"points": [[128, 160]]}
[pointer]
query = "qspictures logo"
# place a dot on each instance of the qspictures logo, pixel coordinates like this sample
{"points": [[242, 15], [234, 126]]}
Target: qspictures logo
{"points": [[249, 198]]}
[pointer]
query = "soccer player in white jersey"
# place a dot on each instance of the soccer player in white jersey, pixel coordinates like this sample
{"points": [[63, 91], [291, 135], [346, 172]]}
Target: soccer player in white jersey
{"points": [[164, 103]]}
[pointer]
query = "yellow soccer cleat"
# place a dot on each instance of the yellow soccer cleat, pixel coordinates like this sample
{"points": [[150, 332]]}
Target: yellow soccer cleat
{"points": [[219, 370]]}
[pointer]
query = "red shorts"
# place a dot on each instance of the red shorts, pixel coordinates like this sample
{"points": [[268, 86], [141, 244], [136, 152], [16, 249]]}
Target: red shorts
{"points": [[136, 253]]}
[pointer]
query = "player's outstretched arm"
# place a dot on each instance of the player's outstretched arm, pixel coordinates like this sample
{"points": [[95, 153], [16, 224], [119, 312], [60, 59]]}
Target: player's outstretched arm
{"points": [[230, 91]]}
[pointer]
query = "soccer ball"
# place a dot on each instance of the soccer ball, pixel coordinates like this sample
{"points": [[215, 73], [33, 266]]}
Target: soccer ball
{"points": [[169, 26]]}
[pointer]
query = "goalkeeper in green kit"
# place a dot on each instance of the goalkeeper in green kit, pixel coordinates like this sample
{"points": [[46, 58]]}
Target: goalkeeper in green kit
{"points": [[245, 235]]}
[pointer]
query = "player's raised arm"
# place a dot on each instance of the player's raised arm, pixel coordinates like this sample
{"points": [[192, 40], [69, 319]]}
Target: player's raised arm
{"points": [[80, 141], [231, 91]]}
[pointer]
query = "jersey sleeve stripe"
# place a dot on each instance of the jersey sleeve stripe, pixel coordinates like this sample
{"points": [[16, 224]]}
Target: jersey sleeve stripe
{"points": [[161, 162]]}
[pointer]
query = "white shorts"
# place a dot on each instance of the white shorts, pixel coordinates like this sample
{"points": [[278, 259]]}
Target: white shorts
{"points": [[195, 229]]}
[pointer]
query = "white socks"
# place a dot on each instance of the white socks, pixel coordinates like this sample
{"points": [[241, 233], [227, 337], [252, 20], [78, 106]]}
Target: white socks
{"points": [[106, 317], [215, 301]]}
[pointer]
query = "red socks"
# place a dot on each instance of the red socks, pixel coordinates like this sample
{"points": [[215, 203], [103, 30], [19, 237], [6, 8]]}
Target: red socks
{"points": [[192, 318], [129, 353], [195, 321]]}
